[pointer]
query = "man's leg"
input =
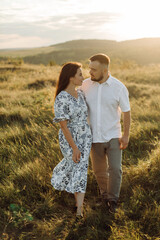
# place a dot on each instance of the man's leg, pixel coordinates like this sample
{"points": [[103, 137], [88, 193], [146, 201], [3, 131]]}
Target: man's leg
{"points": [[114, 169], [99, 166]]}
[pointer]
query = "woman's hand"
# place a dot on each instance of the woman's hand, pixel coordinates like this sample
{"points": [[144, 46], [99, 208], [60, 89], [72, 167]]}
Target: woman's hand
{"points": [[76, 155]]}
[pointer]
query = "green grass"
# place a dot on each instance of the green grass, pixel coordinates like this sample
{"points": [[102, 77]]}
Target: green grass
{"points": [[29, 150], [25, 52]]}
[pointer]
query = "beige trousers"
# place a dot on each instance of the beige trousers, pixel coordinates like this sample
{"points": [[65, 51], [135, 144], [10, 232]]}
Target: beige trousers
{"points": [[106, 164]]}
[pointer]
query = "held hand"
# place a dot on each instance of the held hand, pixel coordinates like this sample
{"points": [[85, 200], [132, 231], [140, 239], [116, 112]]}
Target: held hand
{"points": [[76, 155], [123, 142]]}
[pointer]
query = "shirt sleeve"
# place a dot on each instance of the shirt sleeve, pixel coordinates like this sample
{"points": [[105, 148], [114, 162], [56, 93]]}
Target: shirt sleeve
{"points": [[61, 109], [124, 100]]}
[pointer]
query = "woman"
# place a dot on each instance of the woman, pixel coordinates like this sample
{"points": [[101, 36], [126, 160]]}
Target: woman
{"points": [[74, 135]]}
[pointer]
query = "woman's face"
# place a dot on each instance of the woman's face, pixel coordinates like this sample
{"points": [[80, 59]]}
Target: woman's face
{"points": [[78, 78]]}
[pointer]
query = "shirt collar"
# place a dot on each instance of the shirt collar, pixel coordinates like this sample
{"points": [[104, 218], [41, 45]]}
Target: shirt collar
{"points": [[108, 81]]}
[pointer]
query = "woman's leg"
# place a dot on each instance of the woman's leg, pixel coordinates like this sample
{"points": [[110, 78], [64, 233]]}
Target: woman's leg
{"points": [[80, 199], [75, 195]]}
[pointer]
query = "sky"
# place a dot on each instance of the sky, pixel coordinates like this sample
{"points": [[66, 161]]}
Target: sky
{"points": [[36, 23]]}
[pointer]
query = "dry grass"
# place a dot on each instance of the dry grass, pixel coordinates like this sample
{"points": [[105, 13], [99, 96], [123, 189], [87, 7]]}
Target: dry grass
{"points": [[30, 207]]}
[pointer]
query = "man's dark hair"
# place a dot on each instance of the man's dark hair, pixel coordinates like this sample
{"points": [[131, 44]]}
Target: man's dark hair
{"points": [[100, 57]]}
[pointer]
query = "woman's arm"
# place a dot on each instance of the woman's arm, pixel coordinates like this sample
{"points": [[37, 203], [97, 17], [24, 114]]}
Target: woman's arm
{"points": [[68, 136]]}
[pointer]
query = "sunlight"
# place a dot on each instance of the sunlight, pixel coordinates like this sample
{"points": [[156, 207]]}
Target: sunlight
{"points": [[136, 20], [54, 21], [131, 26]]}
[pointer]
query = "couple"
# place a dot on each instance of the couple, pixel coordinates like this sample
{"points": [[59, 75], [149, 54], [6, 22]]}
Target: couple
{"points": [[102, 98]]}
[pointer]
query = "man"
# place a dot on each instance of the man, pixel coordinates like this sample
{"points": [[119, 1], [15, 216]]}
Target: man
{"points": [[106, 98]]}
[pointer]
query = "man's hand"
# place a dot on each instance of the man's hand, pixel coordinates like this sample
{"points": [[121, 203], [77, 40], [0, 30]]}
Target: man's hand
{"points": [[123, 142]]}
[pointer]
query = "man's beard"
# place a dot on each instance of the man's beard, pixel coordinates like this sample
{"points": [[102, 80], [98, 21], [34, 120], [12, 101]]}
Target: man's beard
{"points": [[98, 79]]}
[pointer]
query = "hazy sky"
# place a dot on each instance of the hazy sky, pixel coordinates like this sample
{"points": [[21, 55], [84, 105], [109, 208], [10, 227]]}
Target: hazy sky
{"points": [[34, 23]]}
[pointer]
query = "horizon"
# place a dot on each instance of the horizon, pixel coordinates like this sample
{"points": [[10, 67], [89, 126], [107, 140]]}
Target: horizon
{"points": [[33, 25], [25, 48]]}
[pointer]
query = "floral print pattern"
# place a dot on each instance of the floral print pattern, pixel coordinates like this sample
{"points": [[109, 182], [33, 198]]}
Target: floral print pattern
{"points": [[68, 175]]}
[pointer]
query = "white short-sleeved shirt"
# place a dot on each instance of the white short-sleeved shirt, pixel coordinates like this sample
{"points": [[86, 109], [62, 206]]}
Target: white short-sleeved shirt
{"points": [[105, 103]]}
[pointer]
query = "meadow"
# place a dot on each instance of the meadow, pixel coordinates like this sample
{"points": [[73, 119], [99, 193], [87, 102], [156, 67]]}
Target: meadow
{"points": [[29, 150]]}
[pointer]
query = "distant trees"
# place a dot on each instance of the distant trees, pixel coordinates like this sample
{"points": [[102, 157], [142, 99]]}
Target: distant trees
{"points": [[52, 63], [15, 61]]}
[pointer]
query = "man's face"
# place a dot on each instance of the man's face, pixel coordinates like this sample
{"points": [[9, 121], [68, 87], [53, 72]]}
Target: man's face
{"points": [[96, 71]]}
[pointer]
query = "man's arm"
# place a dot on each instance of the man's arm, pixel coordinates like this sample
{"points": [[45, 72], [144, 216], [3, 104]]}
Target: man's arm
{"points": [[124, 140]]}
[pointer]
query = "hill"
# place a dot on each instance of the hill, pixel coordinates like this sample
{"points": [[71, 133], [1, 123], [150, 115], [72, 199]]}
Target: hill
{"points": [[142, 51]]}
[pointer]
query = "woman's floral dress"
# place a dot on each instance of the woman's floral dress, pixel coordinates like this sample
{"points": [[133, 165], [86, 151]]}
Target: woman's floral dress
{"points": [[68, 175]]}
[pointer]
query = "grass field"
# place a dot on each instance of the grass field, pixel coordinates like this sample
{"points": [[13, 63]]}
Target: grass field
{"points": [[29, 150]]}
